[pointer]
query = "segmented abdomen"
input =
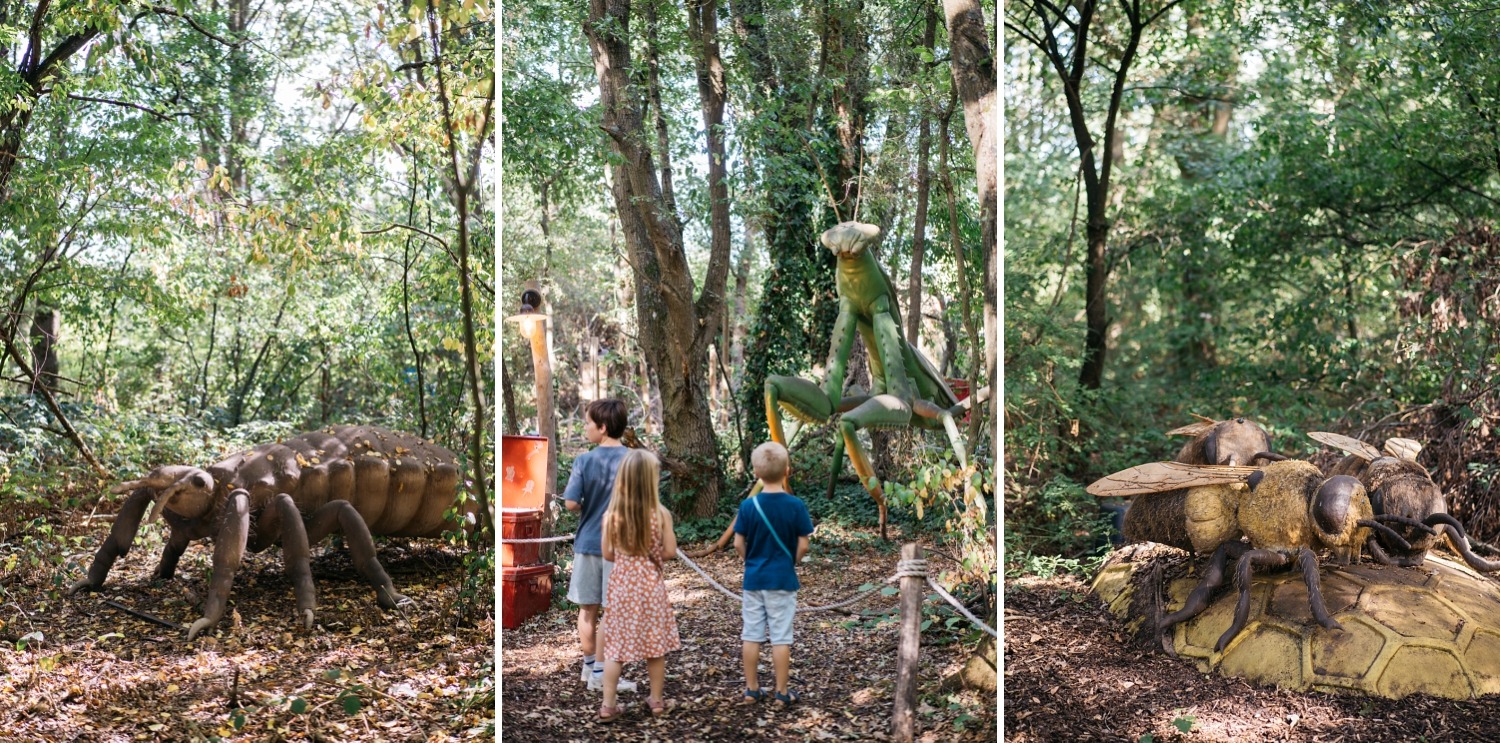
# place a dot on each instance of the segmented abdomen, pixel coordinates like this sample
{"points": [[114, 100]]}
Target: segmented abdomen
{"points": [[400, 485]]}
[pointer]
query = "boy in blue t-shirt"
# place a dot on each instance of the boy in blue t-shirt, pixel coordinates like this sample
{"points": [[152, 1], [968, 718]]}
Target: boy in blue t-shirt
{"points": [[769, 527], [589, 488]]}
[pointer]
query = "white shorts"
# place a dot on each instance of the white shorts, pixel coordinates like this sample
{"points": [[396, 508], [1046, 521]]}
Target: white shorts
{"points": [[590, 578], [768, 616]]}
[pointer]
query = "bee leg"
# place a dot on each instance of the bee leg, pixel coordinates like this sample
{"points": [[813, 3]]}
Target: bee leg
{"points": [[1197, 601], [1244, 569], [1460, 541], [1376, 552], [1391, 535], [1406, 560], [1309, 561]]}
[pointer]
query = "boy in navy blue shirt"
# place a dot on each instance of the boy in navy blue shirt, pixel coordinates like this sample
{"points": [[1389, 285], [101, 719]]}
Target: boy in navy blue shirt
{"points": [[769, 528], [588, 493]]}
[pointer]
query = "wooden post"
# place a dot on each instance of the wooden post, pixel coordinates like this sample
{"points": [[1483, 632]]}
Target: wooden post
{"points": [[908, 655], [535, 331]]}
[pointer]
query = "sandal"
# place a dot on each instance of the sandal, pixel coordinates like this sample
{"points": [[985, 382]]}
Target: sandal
{"points": [[610, 714], [785, 700], [659, 707], [752, 696]]}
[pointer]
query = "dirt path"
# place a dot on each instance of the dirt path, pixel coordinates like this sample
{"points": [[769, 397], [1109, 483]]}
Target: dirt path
{"points": [[841, 666], [1072, 672], [99, 674]]}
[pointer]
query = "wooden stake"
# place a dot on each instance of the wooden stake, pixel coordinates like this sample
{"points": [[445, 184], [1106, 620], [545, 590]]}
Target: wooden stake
{"points": [[904, 722]]}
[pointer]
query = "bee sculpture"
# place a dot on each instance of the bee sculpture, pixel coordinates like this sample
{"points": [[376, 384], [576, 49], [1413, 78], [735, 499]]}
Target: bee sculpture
{"points": [[1286, 511], [1405, 499], [1157, 517]]}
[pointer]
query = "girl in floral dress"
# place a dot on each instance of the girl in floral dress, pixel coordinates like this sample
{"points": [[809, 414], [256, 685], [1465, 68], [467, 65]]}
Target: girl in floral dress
{"points": [[637, 537]]}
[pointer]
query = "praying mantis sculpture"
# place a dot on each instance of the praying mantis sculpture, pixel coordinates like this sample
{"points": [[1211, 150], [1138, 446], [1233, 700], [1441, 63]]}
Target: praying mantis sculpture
{"points": [[905, 388]]}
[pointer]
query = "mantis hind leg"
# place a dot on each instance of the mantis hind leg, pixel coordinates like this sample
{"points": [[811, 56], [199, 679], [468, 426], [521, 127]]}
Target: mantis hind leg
{"points": [[880, 411]]}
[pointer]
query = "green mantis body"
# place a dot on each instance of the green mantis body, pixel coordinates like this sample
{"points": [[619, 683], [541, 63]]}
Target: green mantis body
{"points": [[906, 389]]}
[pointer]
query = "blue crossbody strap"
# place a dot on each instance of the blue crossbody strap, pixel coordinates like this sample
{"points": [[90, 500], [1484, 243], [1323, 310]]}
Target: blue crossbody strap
{"points": [[756, 500]]}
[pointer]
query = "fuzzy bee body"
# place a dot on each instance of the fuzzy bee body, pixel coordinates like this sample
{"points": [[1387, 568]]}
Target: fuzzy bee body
{"points": [[1405, 499]]}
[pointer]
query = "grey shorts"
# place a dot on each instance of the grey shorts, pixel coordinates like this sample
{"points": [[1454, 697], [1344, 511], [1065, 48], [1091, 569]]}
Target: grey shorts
{"points": [[590, 577], [768, 616]]}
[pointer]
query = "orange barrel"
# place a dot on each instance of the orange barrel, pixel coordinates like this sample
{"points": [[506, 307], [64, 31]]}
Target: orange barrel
{"points": [[525, 592], [523, 472], [520, 523]]}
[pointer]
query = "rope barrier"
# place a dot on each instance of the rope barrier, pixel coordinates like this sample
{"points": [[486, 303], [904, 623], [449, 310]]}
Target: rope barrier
{"points": [[801, 609], [918, 569], [904, 569], [961, 609], [538, 540]]}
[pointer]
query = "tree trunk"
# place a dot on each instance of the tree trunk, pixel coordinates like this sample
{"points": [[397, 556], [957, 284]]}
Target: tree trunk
{"points": [[46, 323], [973, 65], [799, 303], [508, 400], [924, 189], [672, 337], [462, 188]]}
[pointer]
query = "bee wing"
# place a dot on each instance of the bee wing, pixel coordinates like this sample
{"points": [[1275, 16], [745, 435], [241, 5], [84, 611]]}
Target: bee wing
{"points": [[1193, 429], [1346, 444], [1158, 477], [1403, 448]]}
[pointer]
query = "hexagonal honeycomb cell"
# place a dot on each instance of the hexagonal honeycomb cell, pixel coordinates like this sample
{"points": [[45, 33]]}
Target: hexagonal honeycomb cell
{"points": [[1347, 654], [1203, 631], [1414, 668], [1267, 654], [1483, 660], [1289, 599], [1412, 612]]}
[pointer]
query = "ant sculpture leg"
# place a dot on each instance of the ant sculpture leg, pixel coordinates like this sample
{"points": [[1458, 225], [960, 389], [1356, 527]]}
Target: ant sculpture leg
{"points": [[229, 550], [1245, 569], [1197, 601]]}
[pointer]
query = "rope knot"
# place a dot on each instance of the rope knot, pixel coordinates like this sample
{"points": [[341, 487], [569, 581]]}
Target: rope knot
{"points": [[911, 569]]}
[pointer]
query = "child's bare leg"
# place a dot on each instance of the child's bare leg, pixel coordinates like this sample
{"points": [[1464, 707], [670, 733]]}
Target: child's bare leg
{"points": [[611, 680], [599, 642], [588, 628], [750, 654], [657, 668], [781, 658]]}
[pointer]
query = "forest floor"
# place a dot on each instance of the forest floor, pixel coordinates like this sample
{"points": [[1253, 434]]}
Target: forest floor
{"points": [[75, 668], [1073, 672], [843, 666]]}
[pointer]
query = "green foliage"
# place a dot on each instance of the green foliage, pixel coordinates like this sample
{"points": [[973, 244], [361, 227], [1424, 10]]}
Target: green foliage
{"points": [[1306, 265]]}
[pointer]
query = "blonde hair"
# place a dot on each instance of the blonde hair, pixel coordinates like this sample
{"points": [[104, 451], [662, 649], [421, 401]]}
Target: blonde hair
{"points": [[633, 503], [770, 462]]}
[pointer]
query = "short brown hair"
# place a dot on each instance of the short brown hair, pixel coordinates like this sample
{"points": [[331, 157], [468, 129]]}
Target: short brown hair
{"points": [[609, 413], [770, 462]]}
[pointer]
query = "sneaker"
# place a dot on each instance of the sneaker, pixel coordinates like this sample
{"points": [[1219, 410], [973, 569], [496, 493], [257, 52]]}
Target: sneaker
{"points": [[586, 673], [596, 683]]}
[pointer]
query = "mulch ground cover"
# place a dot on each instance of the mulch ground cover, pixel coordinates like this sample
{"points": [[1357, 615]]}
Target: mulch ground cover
{"points": [[843, 667], [75, 668], [1073, 672]]}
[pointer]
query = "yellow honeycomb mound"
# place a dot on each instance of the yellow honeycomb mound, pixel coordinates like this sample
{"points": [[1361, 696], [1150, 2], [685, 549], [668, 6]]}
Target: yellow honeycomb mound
{"points": [[1431, 630]]}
